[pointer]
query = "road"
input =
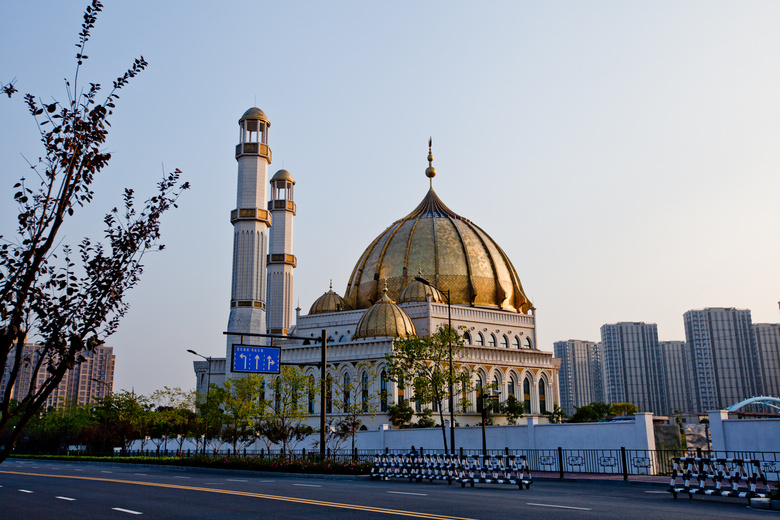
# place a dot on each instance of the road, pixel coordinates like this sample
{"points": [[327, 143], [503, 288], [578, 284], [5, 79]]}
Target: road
{"points": [[32, 490]]}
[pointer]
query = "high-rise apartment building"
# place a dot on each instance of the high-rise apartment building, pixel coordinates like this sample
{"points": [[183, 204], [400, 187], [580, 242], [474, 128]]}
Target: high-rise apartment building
{"points": [[89, 380], [581, 380], [725, 360], [768, 344], [675, 371], [631, 366]]}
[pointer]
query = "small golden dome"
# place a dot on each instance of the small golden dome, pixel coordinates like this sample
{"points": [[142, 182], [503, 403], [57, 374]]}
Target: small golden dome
{"points": [[384, 319], [418, 292], [282, 175], [329, 302], [255, 113]]}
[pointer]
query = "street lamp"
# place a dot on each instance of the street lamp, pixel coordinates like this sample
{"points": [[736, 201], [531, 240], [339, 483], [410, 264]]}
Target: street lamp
{"points": [[487, 394], [449, 338], [208, 389]]}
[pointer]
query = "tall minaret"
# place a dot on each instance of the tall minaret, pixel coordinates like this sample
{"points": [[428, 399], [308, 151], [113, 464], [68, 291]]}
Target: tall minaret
{"points": [[250, 222], [281, 261]]}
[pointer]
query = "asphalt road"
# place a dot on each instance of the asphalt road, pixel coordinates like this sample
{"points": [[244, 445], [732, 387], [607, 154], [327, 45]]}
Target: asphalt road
{"points": [[31, 490]]}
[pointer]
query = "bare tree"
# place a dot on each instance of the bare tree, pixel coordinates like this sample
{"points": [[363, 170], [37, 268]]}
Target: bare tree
{"points": [[45, 297]]}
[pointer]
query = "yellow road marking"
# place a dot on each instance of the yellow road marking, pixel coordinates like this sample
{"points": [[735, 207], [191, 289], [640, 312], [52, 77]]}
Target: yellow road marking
{"points": [[253, 495]]}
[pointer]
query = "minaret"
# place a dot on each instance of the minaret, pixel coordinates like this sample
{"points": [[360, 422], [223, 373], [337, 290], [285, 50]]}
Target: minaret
{"points": [[281, 261], [250, 222]]}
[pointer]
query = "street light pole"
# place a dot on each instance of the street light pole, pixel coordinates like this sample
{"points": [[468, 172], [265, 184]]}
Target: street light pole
{"points": [[449, 339], [208, 389], [485, 396]]}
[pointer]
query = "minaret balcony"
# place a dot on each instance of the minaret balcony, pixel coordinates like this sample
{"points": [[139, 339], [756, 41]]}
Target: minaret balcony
{"points": [[282, 258], [259, 304], [257, 214], [287, 205], [253, 149]]}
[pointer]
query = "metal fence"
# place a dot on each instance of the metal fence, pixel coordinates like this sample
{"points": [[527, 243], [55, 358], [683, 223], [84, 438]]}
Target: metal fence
{"points": [[561, 462]]}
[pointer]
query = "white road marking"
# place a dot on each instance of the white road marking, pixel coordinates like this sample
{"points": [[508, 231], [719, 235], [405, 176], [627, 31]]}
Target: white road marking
{"points": [[658, 492], [140, 474], [78, 470], [66, 498], [104, 471], [213, 483], [404, 493], [307, 485], [25, 491], [264, 481], [129, 511], [180, 477], [234, 480], [560, 507]]}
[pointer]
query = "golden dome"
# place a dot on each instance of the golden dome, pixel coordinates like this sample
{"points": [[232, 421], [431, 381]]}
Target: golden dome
{"points": [[455, 254], [329, 302], [384, 319], [419, 292], [282, 175], [255, 113]]}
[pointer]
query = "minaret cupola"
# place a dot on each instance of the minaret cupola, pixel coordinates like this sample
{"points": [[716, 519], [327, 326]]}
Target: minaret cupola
{"points": [[253, 138]]}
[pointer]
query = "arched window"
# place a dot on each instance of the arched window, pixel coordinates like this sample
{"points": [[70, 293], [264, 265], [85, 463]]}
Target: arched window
{"points": [[480, 393], [311, 394], [480, 340], [342, 339], [542, 404], [510, 387], [467, 338], [495, 403], [492, 340], [516, 342], [527, 395], [347, 388], [504, 342], [383, 391], [364, 393], [527, 342], [401, 392]]}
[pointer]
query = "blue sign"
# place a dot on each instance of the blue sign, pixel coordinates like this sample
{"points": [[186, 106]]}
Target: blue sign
{"points": [[255, 360]]}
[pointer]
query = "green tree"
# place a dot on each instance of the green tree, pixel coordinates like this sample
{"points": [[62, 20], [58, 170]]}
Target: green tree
{"points": [[281, 419], [425, 361], [400, 414], [556, 415], [45, 297], [513, 409], [354, 400], [619, 409], [592, 412]]}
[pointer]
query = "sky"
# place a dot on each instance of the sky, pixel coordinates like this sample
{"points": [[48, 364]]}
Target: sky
{"points": [[623, 154]]}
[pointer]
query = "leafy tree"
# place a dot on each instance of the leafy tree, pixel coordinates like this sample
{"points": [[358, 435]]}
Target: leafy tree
{"points": [[173, 414], [425, 360], [513, 409], [241, 405], [619, 409], [281, 414], [556, 415], [592, 412], [424, 420], [354, 400], [400, 414], [44, 296]]}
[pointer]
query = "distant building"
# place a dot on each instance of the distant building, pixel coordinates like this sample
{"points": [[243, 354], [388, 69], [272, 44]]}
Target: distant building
{"points": [[632, 371], [87, 381], [768, 344], [725, 360], [581, 380], [675, 365]]}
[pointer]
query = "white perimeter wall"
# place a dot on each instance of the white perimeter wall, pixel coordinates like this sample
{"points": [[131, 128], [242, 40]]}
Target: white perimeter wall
{"points": [[743, 434], [633, 435]]}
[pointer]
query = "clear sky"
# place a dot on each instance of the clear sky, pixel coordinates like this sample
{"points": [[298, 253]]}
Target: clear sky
{"points": [[624, 154]]}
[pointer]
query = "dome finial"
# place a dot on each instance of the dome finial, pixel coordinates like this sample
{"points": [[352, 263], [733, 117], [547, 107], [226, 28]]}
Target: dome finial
{"points": [[430, 172], [331, 284]]}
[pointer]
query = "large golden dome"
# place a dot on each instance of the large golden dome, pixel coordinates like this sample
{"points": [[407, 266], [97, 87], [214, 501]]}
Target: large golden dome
{"points": [[453, 252]]}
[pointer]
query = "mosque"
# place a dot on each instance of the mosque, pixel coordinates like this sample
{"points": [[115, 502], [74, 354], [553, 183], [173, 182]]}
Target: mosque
{"points": [[385, 297]]}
